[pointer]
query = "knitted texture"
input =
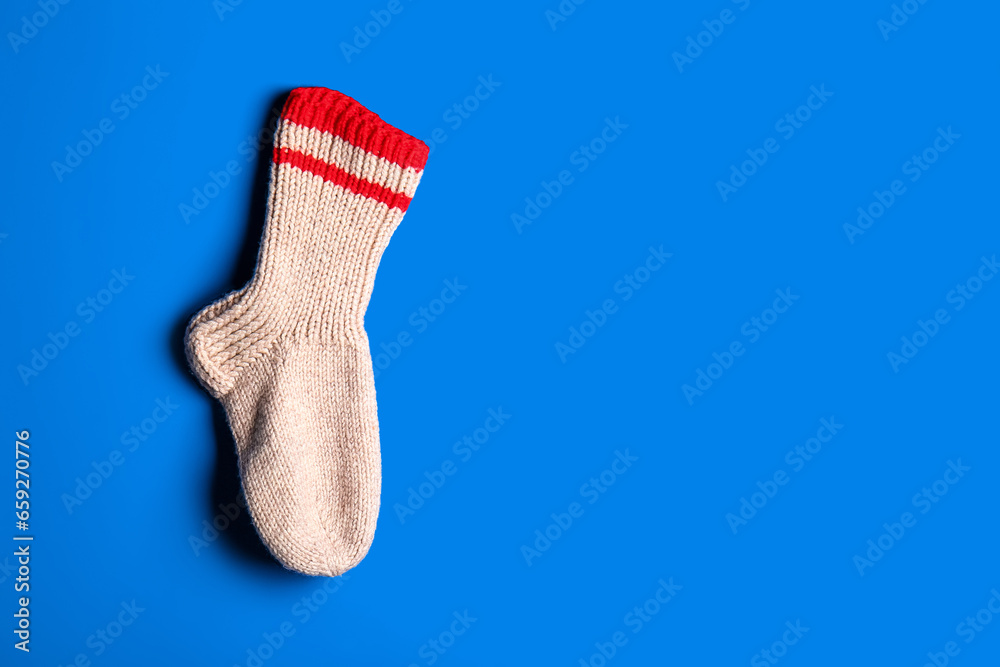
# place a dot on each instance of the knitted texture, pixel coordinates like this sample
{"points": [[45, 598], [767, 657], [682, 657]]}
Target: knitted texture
{"points": [[288, 355]]}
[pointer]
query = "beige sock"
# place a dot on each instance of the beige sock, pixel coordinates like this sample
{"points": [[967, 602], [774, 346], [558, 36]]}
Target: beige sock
{"points": [[288, 354]]}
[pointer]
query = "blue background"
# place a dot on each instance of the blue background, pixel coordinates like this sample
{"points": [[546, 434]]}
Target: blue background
{"points": [[135, 536]]}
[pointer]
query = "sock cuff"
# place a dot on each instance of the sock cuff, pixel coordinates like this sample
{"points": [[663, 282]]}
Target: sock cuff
{"points": [[331, 111]]}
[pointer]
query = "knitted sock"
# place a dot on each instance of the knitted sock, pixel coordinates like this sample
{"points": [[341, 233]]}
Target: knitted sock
{"points": [[288, 354]]}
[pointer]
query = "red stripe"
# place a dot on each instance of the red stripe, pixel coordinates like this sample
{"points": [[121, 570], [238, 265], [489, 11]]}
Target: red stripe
{"points": [[331, 111], [334, 174]]}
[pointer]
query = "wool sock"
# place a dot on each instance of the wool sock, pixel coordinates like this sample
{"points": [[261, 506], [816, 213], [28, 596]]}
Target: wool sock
{"points": [[288, 355]]}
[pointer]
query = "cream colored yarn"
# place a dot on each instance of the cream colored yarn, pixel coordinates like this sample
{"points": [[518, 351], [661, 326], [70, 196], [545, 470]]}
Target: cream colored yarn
{"points": [[288, 355]]}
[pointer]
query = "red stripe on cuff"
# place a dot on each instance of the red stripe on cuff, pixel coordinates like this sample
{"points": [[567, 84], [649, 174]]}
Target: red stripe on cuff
{"points": [[334, 174], [331, 111]]}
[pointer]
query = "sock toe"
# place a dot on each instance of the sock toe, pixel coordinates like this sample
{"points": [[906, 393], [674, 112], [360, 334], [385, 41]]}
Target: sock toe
{"points": [[310, 462]]}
